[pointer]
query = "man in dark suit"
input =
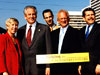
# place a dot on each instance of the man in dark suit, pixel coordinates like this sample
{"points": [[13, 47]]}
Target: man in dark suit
{"points": [[39, 43], [65, 40], [90, 40], [2, 31]]}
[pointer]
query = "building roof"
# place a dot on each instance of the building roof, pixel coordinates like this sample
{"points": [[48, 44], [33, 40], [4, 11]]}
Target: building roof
{"points": [[75, 12]]}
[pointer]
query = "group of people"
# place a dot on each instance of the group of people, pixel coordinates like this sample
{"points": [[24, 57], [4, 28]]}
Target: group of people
{"points": [[18, 51]]}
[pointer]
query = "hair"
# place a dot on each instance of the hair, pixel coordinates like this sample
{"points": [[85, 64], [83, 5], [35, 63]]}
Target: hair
{"points": [[62, 10], [47, 10], [29, 6], [87, 9], [9, 20]]}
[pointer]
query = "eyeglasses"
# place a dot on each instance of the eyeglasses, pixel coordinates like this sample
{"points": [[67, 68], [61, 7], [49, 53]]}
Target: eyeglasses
{"points": [[63, 18]]}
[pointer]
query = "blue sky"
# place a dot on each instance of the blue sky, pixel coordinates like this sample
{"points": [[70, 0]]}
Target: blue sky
{"points": [[14, 8]]}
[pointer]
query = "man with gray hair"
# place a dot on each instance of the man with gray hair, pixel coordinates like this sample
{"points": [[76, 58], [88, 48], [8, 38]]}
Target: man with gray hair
{"points": [[65, 40], [35, 39]]}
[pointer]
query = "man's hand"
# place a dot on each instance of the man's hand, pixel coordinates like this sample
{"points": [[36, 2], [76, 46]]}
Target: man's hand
{"points": [[97, 70], [5, 73], [47, 71], [79, 69]]}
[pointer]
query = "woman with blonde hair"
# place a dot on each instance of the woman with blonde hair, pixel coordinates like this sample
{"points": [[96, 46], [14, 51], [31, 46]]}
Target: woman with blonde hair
{"points": [[10, 53]]}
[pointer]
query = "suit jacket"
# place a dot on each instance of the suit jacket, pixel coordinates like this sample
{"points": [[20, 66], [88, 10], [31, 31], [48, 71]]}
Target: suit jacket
{"points": [[71, 44], [71, 41], [2, 31], [10, 59], [91, 45], [41, 44]]}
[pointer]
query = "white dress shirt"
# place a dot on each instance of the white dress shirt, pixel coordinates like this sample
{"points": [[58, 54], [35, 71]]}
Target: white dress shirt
{"points": [[61, 37], [32, 29]]}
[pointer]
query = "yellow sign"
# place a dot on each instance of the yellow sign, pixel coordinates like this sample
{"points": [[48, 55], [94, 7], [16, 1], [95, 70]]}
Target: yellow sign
{"points": [[62, 58]]}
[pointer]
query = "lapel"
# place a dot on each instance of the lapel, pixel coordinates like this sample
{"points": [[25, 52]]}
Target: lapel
{"points": [[57, 38], [18, 47], [24, 35], [67, 34], [92, 31], [36, 34], [57, 34], [12, 44], [65, 39], [82, 33], [91, 36]]}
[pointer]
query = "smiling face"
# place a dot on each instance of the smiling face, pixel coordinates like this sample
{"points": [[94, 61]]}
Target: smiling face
{"points": [[63, 18], [30, 15], [12, 27], [89, 17], [48, 17]]}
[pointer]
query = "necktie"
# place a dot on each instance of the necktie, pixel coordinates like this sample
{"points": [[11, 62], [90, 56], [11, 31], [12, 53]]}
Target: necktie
{"points": [[29, 36], [61, 37], [87, 33]]}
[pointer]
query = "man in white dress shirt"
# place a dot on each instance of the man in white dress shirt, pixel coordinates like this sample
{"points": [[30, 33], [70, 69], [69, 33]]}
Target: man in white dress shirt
{"points": [[65, 40]]}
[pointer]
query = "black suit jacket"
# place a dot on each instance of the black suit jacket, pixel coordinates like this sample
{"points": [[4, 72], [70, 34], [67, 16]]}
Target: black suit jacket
{"points": [[2, 31], [71, 44], [91, 45], [71, 41], [41, 44]]}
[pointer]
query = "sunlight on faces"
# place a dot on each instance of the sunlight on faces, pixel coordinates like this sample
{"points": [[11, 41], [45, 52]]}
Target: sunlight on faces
{"points": [[89, 17], [12, 25], [30, 15], [48, 18], [63, 18]]}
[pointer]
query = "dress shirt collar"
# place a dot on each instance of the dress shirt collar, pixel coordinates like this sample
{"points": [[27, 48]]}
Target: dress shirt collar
{"points": [[65, 29], [32, 28], [90, 28], [33, 25]]}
